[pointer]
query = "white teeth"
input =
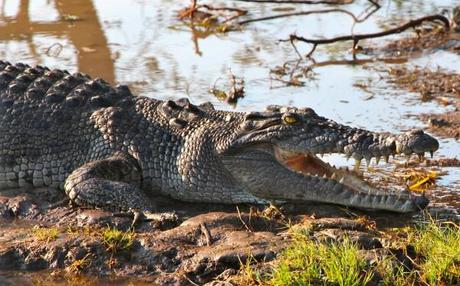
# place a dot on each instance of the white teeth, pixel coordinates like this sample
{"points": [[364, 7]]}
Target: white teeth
{"points": [[357, 164], [398, 147], [377, 160], [421, 156], [341, 180]]}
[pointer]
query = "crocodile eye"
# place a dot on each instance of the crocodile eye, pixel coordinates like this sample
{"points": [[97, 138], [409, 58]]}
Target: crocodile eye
{"points": [[290, 119]]}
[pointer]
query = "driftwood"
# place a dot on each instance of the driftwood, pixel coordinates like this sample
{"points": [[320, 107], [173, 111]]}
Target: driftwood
{"points": [[358, 37], [311, 2]]}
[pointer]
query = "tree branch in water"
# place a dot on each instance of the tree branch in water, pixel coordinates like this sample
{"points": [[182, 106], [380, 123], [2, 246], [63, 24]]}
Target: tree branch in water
{"points": [[356, 38]]}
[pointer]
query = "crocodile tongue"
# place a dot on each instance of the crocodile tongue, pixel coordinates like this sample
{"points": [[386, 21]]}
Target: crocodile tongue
{"points": [[310, 165]]}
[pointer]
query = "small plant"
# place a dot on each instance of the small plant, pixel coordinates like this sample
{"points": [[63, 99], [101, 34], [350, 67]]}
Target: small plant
{"points": [[78, 265], [249, 275], [46, 234], [116, 240], [308, 262], [438, 246]]}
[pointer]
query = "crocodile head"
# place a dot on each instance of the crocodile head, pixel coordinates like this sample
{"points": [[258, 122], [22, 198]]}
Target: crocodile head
{"points": [[275, 156]]}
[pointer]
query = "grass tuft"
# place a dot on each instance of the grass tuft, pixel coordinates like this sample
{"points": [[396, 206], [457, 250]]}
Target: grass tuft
{"points": [[45, 234], [438, 246], [116, 240], [308, 262], [435, 261], [79, 265]]}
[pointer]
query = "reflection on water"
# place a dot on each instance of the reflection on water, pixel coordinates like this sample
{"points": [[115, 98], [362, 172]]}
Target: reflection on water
{"points": [[72, 21], [47, 278]]}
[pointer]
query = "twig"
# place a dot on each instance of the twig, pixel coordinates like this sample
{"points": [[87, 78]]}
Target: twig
{"points": [[207, 234], [190, 280], [241, 219], [330, 2], [238, 10], [49, 50], [189, 11], [356, 38], [376, 7], [305, 13], [296, 50]]}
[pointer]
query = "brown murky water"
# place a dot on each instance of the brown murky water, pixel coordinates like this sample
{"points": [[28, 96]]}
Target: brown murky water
{"points": [[142, 44]]}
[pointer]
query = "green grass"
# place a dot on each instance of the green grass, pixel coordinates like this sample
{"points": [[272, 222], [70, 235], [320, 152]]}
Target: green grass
{"points": [[439, 249], [45, 234], [116, 240], [309, 262]]}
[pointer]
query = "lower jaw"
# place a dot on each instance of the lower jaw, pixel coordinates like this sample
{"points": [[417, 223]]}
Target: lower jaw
{"points": [[311, 165]]}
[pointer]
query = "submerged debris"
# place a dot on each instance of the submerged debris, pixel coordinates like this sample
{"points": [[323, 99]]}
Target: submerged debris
{"points": [[217, 19], [235, 89], [292, 73], [420, 180]]}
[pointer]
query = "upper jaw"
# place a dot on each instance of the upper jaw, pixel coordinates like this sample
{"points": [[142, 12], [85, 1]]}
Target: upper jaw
{"points": [[361, 144]]}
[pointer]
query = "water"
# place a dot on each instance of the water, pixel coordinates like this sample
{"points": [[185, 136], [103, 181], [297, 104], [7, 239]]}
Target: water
{"points": [[142, 44]]}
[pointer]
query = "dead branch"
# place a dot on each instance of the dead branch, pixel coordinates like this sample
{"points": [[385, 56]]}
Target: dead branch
{"points": [[236, 89], [188, 12], [237, 10], [242, 220], [311, 2], [357, 38], [207, 234], [306, 13], [195, 12]]}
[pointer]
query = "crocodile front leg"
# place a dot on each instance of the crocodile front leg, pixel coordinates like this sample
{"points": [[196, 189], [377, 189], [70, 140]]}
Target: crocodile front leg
{"points": [[112, 184]]}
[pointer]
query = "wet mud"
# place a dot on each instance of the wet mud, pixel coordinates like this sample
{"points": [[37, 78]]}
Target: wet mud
{"points": [[437, 85], [210, 243]]}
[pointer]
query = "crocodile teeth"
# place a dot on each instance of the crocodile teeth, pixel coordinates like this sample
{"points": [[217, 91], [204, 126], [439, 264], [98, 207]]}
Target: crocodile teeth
{"points": [[421, 156], [398, 147], [357, 165], [407, 158], [368, 161]]}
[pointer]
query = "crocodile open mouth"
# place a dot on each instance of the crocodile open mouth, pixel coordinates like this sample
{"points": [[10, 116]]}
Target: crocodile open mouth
{"points": [[310, 165]]}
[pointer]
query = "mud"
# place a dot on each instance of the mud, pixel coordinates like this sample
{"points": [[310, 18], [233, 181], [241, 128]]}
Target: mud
{"points": [[438, 85], [424, 40], [208, 244]]}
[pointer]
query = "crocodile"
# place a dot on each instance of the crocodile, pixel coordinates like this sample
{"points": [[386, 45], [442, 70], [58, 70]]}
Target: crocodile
{"points": [[107, 148]]}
